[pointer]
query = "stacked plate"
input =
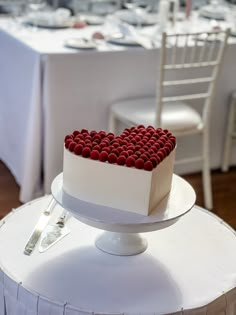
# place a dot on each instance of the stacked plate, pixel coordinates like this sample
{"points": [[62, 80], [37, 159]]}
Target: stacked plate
{"points": [[144, 19], [80, 43], [214, 12], [52, 19]]}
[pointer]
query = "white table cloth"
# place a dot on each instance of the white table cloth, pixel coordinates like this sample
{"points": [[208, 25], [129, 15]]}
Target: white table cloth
{"points": [[47, 91], [188, 268]]}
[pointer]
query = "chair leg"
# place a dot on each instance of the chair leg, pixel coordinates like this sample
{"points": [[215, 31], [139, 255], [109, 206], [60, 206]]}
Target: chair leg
{"points": [[112, 123], [206, 173], [228, 136]]}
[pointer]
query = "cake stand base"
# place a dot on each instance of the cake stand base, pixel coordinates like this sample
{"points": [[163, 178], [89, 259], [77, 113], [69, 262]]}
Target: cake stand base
{"points": [[121, 244]]}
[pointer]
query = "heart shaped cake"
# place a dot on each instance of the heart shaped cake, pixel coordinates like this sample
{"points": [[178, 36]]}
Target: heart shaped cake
{"points": [[131, 172]]}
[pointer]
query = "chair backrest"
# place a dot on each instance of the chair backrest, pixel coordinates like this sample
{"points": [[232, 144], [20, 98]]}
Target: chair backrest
{"points": [[190, 62]]}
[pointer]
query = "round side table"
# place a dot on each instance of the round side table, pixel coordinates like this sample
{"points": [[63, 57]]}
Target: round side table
{"points": [[188, 268]]}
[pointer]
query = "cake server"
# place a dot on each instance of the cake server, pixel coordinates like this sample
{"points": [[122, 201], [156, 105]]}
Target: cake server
{"points": [[41, 224], [54, 232]]}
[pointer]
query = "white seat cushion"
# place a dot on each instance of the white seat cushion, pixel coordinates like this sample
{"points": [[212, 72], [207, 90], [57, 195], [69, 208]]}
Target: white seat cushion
{"points": [[176, 116]]}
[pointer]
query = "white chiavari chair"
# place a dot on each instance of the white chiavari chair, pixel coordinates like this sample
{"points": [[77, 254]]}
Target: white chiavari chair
{"points": [[189, 66], [230, 133]]}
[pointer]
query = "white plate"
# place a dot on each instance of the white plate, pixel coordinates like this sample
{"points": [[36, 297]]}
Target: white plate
{"points": [[80, 43], [178, 202], [213, 13], [92, 19], [123, 41], [129, 17], [43, 23]]}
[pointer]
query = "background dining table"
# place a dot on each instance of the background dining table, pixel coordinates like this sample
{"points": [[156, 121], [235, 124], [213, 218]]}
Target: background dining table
{"points": [[47, 90]]}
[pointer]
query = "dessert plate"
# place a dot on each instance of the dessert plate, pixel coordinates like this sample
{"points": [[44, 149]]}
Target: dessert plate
{"points": [[178, 202], [80, 43], [146, 19], [92, 19], [122, 40], [43, 23], [211, 12]]}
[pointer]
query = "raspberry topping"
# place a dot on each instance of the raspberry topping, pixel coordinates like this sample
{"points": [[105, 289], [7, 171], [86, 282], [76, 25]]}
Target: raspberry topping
{"points": [[139, 147]]}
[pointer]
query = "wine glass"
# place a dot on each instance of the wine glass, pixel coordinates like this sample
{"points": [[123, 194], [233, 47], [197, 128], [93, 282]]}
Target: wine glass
{"points": [[36, 5], [139, 9]]}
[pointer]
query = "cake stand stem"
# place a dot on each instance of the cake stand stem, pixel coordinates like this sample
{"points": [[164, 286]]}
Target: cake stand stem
{"points": [[121, 244]]}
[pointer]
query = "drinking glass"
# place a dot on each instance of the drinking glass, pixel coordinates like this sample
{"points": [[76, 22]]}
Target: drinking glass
{"points": [[36, 5]]}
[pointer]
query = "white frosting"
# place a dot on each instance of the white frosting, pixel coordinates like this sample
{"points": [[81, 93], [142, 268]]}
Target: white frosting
{"points": [[116, 186]]}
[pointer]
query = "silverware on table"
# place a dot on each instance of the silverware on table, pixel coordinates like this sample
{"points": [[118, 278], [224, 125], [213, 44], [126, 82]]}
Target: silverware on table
{"points": [[54, 233], [41, 224]]}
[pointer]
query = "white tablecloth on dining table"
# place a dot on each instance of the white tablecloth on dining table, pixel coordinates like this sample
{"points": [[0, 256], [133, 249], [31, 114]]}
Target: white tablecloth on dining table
{"points": [[48, 90], [188, 268]]}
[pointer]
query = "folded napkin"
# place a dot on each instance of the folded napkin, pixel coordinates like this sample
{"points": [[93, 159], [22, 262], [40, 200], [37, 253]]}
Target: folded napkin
{"points": [[129, 31]]}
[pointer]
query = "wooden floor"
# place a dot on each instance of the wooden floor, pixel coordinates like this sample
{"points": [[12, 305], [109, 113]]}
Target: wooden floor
{"points": [[224, 193]]}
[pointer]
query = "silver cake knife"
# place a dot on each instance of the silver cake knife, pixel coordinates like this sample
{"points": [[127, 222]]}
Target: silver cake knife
{"points": [[41, 224], [54, 232]]}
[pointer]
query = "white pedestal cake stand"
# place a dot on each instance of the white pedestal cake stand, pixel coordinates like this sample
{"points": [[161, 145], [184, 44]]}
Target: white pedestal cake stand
{"points": [[122, 228]]}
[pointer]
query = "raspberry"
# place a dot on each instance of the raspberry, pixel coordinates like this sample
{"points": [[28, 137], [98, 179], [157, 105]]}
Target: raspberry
{"points": [[75, 133], [139, 163], [103, 144], [103, 156], [148, 166], [102, 134], [94, 155], [161, 155], [121, 160], [169, 145], [154, 161], [78, 149], [84, 131], [173, 139], [110, 136], [106, 149], [119, 149], [97, 138], [86, 152], [112, 158], [133, 141], [124, 153], [130, 147], [68, 137], [152, 151], [161, 143], [72, 146], [130, 161], [116, 144], [115, 151], [157, 145], [93, 133], [97, 147], [130, 152], [151, 142], [67, 143], [143, 157]]}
